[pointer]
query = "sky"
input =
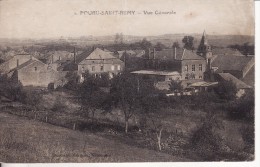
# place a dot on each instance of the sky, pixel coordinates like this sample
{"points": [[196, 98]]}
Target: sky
{"points": [[56, 18]]}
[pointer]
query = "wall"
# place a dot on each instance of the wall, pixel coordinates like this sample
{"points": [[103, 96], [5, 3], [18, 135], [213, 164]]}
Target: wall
{"points": [[197, 72], [12, 63], [107, 68], [42, 76]]}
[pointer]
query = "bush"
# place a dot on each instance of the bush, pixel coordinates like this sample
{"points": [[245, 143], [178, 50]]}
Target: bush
{"points": [[243, 108], [226, 90], [11, 89]]}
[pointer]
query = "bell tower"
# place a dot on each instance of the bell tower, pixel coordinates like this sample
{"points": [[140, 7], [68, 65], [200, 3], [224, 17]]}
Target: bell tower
{"points": [[204, 49]]}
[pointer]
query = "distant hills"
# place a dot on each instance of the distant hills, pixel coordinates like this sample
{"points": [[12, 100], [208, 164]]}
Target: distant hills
{"points": [[166, 39]]}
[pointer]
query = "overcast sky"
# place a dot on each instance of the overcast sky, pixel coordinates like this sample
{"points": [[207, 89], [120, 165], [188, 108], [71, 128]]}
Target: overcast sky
{"points": [[49, 18]]}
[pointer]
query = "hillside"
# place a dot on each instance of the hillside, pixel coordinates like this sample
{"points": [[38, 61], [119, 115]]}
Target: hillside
{"points": [[167, 39], [24, 140]]}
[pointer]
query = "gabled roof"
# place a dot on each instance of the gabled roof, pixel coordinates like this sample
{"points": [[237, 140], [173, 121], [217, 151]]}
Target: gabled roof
{"points": [[226, 51], [181, 54], [239, 84], [249, 78], [97, 54], [224, 62], [26, 64]]}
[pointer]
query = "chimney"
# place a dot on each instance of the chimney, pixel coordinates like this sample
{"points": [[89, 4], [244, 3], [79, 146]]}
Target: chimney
{"points": [[74, 55], [153, 53], [149, 53], [17, 62], [51, 58], [175, 53]]}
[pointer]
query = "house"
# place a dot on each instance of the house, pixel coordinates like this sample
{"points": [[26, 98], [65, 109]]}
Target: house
{"points": [[14, 62], [240, 85], [226, 52], [238, 66], [34, 73], [187, 63], [96, 62]]}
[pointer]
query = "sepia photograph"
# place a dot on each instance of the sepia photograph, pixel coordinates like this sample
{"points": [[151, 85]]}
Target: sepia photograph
{"points": [[95, 81]]}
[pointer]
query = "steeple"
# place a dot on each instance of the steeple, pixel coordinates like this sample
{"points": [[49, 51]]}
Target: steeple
{"points": [[204, 40], [204, 48]]}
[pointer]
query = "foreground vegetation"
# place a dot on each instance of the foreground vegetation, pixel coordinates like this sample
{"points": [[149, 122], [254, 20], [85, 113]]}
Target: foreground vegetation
{"points": [[208, 126]]}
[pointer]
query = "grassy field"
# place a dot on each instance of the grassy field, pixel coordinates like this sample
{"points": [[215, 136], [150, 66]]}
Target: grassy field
{"points": [[24, 140]]}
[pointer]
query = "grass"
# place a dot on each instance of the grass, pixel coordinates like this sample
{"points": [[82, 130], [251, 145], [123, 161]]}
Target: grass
{"points": [[24, 140], [106, 135]]}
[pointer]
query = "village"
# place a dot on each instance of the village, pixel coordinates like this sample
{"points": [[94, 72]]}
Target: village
{"points": [[184, 101]]}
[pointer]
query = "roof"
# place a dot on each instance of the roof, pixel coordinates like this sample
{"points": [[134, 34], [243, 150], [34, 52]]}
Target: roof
{"points": [[249, 78], [224, 62], [26, 64], [203, 84], [226, 51], [181, 54], [204, 40], [151, 72], [97, 54], [239, 84]]}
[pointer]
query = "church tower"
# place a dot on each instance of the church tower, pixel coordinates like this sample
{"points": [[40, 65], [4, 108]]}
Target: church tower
{"points": [[204, 49]]}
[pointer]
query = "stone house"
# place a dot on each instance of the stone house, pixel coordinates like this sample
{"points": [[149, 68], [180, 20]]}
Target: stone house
{"points": [[240, 85], [34, 73], [238, 66], [14, 62], [96, 62], [190, 65]]}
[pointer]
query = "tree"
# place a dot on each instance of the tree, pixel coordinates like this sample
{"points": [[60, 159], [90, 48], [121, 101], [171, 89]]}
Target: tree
{"points": [[11, 88], [226, 90], [159, 46], [175, 86], [145, 44], [72, 79], [126, 93], [176, 45], [188, 42]]}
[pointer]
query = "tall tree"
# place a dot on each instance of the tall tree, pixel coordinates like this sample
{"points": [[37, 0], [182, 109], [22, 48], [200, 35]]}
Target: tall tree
{"points": [[176, 45], [126, 92], [159, 46], [188, 42]]}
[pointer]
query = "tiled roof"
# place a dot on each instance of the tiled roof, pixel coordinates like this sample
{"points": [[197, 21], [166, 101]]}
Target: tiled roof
{"points": [[239, 84], [224, 62], [181, 54], [96, 56], [249, 78], [26, 64], [226, 51]]}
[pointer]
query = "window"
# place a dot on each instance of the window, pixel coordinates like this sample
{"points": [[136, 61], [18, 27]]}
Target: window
{"points": [[186, 77], [93, 68], [200, 67], [35, 68], [186, 68], [118, 67], [101, 68], [112, 67], [193, 67]]}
